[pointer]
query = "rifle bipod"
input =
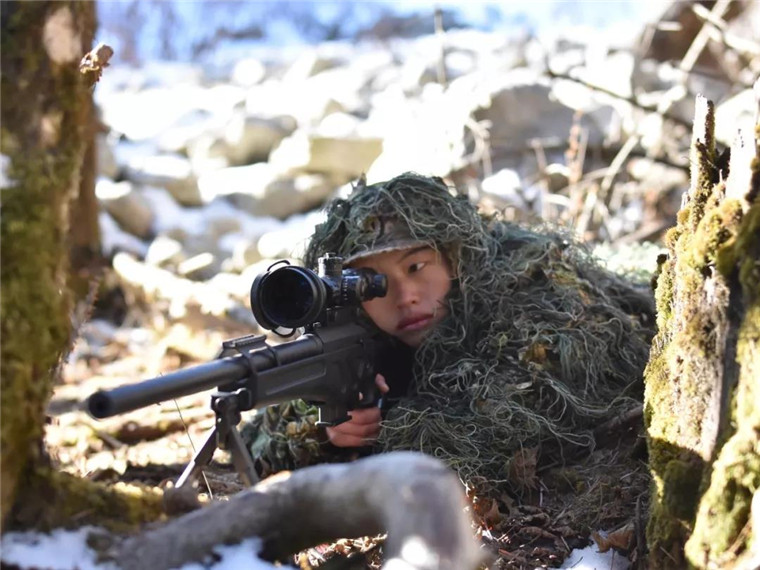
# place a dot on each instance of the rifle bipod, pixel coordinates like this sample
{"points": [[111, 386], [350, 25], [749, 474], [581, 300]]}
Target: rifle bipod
{"points": [[224, 435]]}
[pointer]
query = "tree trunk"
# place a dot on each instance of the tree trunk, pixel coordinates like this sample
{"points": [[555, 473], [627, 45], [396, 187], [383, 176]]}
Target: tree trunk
{"points": [[45, 107], [703, 376], [84, 235]]}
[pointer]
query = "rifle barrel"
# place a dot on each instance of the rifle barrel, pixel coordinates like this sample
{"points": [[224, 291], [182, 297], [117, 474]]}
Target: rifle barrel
{"points": [[104, 404]]}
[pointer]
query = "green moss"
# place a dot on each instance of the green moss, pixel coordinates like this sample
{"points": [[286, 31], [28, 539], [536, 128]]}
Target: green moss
{"points": [[716, 228], [681, 484], [714, 243], [58, 499], [702, 511], [664, 292], [740, 254], [725, 508], [43, 170], [682, 218]]}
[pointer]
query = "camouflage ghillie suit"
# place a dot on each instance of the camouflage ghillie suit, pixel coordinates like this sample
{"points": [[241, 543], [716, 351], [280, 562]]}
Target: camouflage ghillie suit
{"points": [[285, 437], [540, 343]]}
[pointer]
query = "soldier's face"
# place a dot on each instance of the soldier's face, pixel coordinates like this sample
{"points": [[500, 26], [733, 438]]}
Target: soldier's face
{"points": [[419, 279]]}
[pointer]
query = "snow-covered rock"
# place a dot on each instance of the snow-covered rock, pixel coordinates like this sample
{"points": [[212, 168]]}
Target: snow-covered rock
{"points": [[126, 205], [341, 158], [171, 171]]}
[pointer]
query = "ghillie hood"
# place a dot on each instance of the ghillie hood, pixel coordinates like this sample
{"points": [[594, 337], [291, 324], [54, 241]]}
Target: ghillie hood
{"points": [[540, 344]]}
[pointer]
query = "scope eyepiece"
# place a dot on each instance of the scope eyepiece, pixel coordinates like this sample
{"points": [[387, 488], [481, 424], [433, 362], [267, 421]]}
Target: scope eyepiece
{"points": [[290, 297]]}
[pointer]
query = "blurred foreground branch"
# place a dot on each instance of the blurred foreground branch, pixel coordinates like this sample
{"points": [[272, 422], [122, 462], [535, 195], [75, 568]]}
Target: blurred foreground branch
{"points": [[413, 497]]}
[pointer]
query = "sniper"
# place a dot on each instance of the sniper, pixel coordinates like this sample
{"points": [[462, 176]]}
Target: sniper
{"points": [[501, 338]]}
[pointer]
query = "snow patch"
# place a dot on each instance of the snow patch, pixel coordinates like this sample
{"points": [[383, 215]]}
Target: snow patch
{"points": [[68, 550]]}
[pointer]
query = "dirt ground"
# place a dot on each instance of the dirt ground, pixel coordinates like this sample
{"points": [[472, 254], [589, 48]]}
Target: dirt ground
{"points": [[602, 497]]}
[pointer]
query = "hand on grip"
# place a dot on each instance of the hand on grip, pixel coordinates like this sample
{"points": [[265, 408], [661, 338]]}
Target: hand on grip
{"points": [[364, 425]]}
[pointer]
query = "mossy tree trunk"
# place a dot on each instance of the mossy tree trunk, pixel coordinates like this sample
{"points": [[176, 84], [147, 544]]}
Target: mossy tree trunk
{"points": [[46, 104], [84, 233], [702, 401]]}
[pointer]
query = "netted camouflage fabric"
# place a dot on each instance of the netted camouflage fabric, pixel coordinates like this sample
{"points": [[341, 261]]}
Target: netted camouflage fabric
{"points": [[539, 346], [286, 437]]}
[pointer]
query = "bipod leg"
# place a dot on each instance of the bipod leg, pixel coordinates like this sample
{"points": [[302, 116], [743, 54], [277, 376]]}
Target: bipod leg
{"points": [[199, 460], [241, 458]]}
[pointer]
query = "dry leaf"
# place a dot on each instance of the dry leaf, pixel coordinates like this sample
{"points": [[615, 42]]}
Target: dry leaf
{"points": [[620, 539], [522, 469], [94, 62]]}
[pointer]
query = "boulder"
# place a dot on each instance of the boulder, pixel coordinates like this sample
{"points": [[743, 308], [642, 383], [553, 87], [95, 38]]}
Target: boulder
{"points": [[247, 72], [208, 152], [180, 136], [147, 113], [424, 134], [171, 171], [522, 109], [260, 190], [291, 240], [251, 138], [306, 102], [163, 251], [126, 206], [308, 64], [243, 251], [502, 189], [340, 158], [113, 239]]}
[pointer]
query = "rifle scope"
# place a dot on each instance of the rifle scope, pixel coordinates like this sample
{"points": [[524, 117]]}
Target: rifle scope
{"points": [[290, 297]]}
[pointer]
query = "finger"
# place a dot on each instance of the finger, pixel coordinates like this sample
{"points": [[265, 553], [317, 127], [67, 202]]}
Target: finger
{"points": [[349, 441], [340, 439], [369, 431], [381, 384], [357, 429], [363, 416]]}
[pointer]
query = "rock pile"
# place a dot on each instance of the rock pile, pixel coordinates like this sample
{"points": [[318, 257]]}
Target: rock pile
{"points": [[204, 181]]}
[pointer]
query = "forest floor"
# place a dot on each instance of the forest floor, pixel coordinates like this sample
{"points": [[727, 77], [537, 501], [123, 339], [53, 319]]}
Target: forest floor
{"points": [[599, 499]]}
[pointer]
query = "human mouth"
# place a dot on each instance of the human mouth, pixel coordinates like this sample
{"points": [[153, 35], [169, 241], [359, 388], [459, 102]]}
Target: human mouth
{"points": [[414, 323]]}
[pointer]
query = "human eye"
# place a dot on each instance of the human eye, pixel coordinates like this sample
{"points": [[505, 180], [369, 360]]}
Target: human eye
{"points": [[417, 266]]}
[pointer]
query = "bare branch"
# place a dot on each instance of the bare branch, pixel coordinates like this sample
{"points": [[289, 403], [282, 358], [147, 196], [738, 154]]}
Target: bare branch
{"points": [[415, 498]]}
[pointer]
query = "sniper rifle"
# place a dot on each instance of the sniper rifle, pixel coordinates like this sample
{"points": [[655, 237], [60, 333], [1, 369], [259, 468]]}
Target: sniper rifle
{"points": [[332, 364]]}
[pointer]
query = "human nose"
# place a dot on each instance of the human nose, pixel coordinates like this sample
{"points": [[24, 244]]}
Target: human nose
{"points": [[406, 293]]}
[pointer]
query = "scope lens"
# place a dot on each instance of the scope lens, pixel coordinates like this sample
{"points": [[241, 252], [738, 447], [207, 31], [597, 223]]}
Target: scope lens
{"points": [[290, 297]]}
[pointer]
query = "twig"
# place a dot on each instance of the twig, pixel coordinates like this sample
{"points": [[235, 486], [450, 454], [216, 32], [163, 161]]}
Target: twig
{"points": [[441, 35], [192, 445], [640, 535], [627, 419], [482, 151], [700, 42], [617, 163], [112, 442], [645, 232], [589, 206], [742, 46], [632, 100]]}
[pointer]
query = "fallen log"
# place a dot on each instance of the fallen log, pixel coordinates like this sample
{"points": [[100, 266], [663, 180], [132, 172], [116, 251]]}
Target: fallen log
{"points": [[414, 498]]}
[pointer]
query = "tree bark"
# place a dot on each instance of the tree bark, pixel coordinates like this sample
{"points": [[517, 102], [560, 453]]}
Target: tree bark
{"points": [[86, 259], [45, 107], [703, 377]]}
